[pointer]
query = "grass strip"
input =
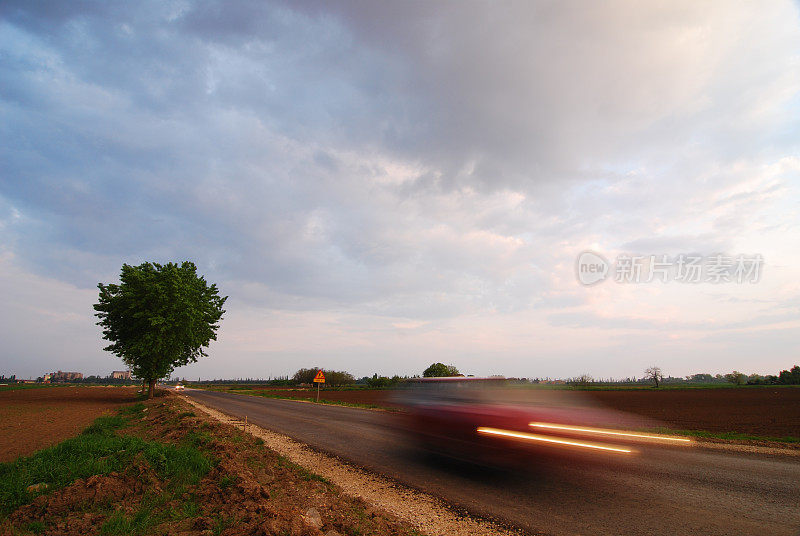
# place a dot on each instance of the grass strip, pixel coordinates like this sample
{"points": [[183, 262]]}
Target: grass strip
{"points": [[311, 398], [21, 386], [729, 436]]}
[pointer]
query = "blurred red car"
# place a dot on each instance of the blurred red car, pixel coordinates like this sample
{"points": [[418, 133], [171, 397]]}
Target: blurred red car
{"points": [[489, 420]]}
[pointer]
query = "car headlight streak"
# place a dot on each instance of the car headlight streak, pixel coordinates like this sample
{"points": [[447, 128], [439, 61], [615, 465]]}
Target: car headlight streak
{"points": [[616, 433], [525, 436]]}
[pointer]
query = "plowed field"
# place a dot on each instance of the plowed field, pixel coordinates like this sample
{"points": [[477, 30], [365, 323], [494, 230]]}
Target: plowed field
{"points": [[31, 419]]}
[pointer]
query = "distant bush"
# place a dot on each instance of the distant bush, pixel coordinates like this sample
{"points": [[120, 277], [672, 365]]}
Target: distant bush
{"points": [[378, 382], [790, 377], [333, 378], [736, 378], [757, 379], [440, 370]]}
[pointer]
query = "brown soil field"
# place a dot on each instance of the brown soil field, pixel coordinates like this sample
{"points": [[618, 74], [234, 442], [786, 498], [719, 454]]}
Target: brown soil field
{"points": [[769, 412], [762, 411], [32, 419]]}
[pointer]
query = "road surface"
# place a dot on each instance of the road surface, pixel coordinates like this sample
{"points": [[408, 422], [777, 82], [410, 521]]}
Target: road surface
{"points": [[662, 491]]}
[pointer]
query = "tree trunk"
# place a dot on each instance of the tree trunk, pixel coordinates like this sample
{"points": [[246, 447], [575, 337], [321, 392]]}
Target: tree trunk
{"points": [[144, 386], [152, 388]]}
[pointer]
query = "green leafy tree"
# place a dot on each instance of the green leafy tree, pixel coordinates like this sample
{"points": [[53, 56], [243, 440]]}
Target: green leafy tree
{"points": [[305, 375], [159, 317], [700, 378], [379, 382], [736, 378], [333, 378], [440, 370], [790, 377], [336, 378]]}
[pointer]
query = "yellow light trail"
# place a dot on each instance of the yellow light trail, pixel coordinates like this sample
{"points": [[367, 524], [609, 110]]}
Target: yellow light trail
{"points": [[606, 432], [548, 439]]}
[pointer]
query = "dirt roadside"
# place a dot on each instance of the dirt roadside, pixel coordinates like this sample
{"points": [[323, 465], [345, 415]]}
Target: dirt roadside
{"points": [[425, 512]]}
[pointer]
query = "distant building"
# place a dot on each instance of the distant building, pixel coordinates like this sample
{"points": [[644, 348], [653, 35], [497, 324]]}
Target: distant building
{"points": [[66, 376], [121, 374]]}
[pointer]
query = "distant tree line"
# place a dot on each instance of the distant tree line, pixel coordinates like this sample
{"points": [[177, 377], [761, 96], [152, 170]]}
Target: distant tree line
{"points": [[655, 376], [105, 380], [278, 381], [785, 377], [339, 379]]}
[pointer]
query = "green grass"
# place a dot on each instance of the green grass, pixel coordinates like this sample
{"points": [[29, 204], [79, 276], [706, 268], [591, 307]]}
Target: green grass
{"points": [[199, 439], [227, 481], [355, 405], [180, 464], [190, 507], [20, 386], [105, 425], [98, 450], [221, 523], [312, 398], [153, 511], [158, 393], [120, 523], [730, 436], [37, 527], [135, 410]]}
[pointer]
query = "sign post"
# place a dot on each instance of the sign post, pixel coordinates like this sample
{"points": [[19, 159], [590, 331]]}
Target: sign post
{"points": [[318, 379]]}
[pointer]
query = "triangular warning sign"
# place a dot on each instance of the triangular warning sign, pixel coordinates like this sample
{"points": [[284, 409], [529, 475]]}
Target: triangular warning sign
{"points": [[319, 378]]}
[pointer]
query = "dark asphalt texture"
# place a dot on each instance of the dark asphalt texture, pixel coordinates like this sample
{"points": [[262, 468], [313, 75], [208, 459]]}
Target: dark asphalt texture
{"points": [[665, 491]]}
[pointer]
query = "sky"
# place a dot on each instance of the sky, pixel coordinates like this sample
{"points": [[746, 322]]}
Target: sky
{"points": [[378, 186]]}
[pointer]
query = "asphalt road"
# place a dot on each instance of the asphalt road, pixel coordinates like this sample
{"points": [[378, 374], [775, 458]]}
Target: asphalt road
{"points": [[661, 491]]}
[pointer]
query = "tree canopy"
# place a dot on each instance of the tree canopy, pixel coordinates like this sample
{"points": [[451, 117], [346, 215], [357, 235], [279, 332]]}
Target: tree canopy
{"points": [[440, 370], [790, 377], [736, 378], [333, 378], [159, 317]]}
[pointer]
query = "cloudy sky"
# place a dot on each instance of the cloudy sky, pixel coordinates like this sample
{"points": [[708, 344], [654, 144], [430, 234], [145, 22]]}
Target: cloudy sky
{"points": [[379, 186]]}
